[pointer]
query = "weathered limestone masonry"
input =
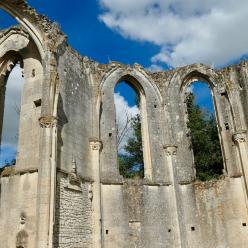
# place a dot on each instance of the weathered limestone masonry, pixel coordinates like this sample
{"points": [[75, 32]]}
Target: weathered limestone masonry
{"points": [[66, 190]]}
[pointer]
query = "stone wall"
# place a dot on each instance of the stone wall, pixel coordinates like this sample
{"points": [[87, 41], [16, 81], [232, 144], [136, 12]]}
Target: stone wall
{"points": [[138, 215], [222, 213], [66, 189], [18, 202], [74, 112], [73, 219]]}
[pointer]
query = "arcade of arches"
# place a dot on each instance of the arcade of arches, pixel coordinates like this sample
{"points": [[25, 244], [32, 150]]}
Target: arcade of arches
{"points": [[66, 190]]}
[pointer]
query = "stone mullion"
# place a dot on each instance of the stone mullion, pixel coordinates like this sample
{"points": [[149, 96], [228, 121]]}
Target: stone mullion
{"points": [[45, 185], [171, 152], [47, 172], [95, 148], [241, 141], [238, 112], [225, 136], [244, 91]]}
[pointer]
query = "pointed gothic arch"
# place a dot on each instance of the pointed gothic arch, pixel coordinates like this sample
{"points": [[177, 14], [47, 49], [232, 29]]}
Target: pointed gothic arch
{"points": [[150, 99]]}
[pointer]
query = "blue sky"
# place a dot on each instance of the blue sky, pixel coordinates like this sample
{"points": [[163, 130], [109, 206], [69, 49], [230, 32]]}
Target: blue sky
{"points": [[203, 96], [88, 35], [127, 92], [157, 34], [11, 116]]}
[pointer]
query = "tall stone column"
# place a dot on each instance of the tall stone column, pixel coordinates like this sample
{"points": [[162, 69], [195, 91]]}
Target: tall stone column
{"points": [[45, 184], [171, 152], [240, 140], [95, 147]]}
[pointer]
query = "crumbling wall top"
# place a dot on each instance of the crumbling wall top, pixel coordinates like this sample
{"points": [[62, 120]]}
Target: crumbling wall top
{"points": [[26, 15]]}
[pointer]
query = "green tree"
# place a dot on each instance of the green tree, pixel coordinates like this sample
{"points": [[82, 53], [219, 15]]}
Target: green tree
{"points": [[205, 144], [205, 141], [131, 163]]}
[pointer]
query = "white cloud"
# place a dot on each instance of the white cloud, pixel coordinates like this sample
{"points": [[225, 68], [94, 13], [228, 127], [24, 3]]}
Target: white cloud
{"points": [[212, 32], [190, 89], [123, 114], [155, 68]]}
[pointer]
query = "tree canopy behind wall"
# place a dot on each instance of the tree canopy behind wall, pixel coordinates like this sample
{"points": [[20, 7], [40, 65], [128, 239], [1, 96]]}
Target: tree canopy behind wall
{"points": [[205, 141], [131, 162]]}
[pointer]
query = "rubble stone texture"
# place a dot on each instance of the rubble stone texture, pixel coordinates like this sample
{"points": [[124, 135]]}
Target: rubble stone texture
{"points": [[66, 190]]}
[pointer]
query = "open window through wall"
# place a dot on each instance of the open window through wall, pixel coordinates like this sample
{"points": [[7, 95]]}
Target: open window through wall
{"points": [[10, 100], [203, 131], [11, 84], [129, 130], [145, 99]]}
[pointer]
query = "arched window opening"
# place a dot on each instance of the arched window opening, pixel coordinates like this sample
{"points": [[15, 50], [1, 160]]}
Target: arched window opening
{"points": [[204, 132], [129, 134], [10, 107]]}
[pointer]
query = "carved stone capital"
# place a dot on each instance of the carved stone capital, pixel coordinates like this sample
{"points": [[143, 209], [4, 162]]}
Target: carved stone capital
{"points": [[95, 144], [171, 150], [239, 137], [48, 121]]}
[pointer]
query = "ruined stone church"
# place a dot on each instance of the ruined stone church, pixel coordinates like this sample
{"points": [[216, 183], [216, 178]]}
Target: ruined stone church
{"points": [[65, 190]]}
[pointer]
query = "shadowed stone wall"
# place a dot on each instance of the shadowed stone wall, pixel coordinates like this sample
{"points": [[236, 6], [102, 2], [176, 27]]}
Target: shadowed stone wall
{"points": [[73, 225]]}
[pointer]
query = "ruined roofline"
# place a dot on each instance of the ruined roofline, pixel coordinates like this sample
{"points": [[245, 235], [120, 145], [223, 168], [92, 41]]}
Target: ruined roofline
{"points": [[53, 32], [4, 30], [167, 72], [47, 31], [40, 20], [17, 27], [158, 77]]}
